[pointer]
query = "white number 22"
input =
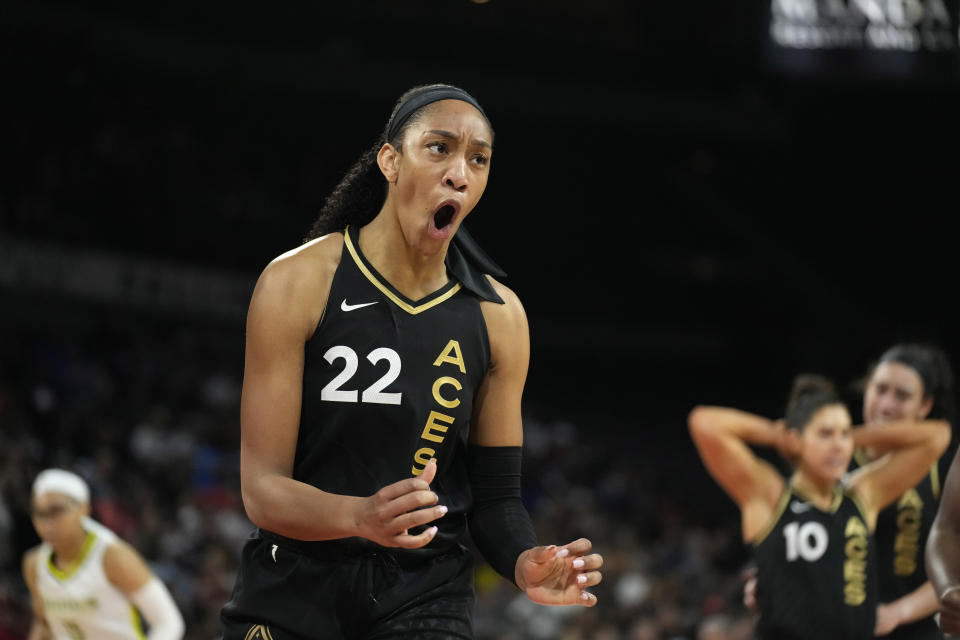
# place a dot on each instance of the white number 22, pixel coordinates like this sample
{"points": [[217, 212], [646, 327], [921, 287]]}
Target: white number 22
{"points": [[374, 393]]}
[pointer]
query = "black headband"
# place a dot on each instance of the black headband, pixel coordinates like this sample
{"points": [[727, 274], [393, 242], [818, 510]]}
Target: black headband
{"points": [[422, 99]]}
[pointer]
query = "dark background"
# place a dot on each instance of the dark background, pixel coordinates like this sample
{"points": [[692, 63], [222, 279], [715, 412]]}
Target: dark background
{"points": [[686, 218], [688, 214]]}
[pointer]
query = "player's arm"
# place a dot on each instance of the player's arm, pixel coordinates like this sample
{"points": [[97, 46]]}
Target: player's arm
{"points": [[39, 629], [285, 309], [499, 523], [127, 571], [918, 604], [722, 436], [942, 554], [906, 450]]}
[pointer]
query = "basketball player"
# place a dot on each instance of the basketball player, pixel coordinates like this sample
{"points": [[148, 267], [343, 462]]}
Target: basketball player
{"points": [[380, 411], [943, 553], [812, 534], [85, 583], [910, 382]]}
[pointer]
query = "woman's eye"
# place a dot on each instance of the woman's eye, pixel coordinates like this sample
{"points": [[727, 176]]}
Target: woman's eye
{"points": [[439, 147], [481, 160]]}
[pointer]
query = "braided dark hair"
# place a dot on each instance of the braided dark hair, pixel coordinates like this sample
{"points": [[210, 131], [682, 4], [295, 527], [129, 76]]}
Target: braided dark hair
{"points": [[360, 194]]}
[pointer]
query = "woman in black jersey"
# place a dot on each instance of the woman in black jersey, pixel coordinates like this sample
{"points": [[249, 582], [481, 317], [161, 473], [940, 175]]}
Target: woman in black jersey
{"points": [[381, 405], [908, 382], [812, 533]]}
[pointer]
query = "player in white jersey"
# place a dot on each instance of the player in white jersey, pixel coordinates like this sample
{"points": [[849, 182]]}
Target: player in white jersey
{"points": [[85, 582]]}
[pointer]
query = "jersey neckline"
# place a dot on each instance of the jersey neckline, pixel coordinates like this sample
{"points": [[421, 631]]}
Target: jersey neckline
{"points": [[412, 307], [63, 575], [838, 492]]}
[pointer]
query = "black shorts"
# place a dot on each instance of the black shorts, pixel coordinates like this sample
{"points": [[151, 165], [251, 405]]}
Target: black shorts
{"points": [[285, 594]]}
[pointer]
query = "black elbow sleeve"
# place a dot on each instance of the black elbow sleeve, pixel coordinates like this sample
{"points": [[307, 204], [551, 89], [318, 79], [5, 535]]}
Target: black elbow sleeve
{"points": [[499, 523]]}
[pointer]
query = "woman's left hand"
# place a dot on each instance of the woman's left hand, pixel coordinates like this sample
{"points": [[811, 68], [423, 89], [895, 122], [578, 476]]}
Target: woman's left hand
{"points": [[555, 575]]}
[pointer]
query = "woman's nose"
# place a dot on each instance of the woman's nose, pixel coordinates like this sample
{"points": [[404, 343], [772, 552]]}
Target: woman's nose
{"points": [[456, 176]]}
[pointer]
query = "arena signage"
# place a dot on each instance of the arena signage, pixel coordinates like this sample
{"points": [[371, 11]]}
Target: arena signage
{"points": [[864, 39], [903, 25]]}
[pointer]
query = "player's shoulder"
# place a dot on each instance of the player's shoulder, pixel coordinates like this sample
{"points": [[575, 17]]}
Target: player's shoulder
{"points": [[511, 307], [507, 322], [29, 562], [313, 258], [32, 554], [124, 567], [119, 550], [302, 272]]}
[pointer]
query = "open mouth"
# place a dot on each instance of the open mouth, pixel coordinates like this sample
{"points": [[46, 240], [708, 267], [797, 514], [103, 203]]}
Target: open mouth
{"points": [[444, 216]]}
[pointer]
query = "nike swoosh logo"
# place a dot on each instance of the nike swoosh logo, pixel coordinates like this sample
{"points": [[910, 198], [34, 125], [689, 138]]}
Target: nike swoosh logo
{"points": [[799, 507], [273, 552], [350, 307]]}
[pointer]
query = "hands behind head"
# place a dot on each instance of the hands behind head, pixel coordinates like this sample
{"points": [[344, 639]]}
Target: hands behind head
{"points": [[386, 516], [786, 441], [555, 575]]}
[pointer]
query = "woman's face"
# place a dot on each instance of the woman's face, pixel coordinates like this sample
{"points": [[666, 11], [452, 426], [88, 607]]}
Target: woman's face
{"points": [[895, 392], [440, 173], [827, 443], [56, 517]]}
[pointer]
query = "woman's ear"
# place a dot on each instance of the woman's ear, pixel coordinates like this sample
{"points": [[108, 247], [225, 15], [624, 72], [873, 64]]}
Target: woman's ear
{"points": [[388, 159]]}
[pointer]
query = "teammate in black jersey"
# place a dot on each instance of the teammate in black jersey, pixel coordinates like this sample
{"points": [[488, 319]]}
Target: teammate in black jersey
{"points": [[943, 553], [381, 405], [812, 533], [910, 381]]}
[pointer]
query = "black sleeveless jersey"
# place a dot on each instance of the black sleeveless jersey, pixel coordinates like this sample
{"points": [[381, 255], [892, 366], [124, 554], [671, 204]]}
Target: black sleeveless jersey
{"points": [[389, 383], [901, 535], [816, 571]]}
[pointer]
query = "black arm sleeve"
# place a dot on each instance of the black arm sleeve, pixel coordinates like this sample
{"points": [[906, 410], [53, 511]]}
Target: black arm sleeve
{"points": [[499, 523]]}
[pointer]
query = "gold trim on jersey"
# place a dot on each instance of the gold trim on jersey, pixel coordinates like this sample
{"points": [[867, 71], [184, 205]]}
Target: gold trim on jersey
{"points": [[137, 623], [385, 290], [935, 479], [775, 517], [835, 501], [65, 574], [861, 458], [863, 511], [258, 632]]}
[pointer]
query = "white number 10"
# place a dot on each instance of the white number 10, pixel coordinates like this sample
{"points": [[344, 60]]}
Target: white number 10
{"points": [[808, 542]]}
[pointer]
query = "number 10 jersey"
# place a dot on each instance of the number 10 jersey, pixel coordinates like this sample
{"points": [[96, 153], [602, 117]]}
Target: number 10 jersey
{"points": [[816, 571]]}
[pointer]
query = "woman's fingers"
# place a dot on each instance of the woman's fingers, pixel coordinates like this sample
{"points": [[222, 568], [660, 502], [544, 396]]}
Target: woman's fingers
{"points": [[416, 518], [578, 547], [408, 541]]}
